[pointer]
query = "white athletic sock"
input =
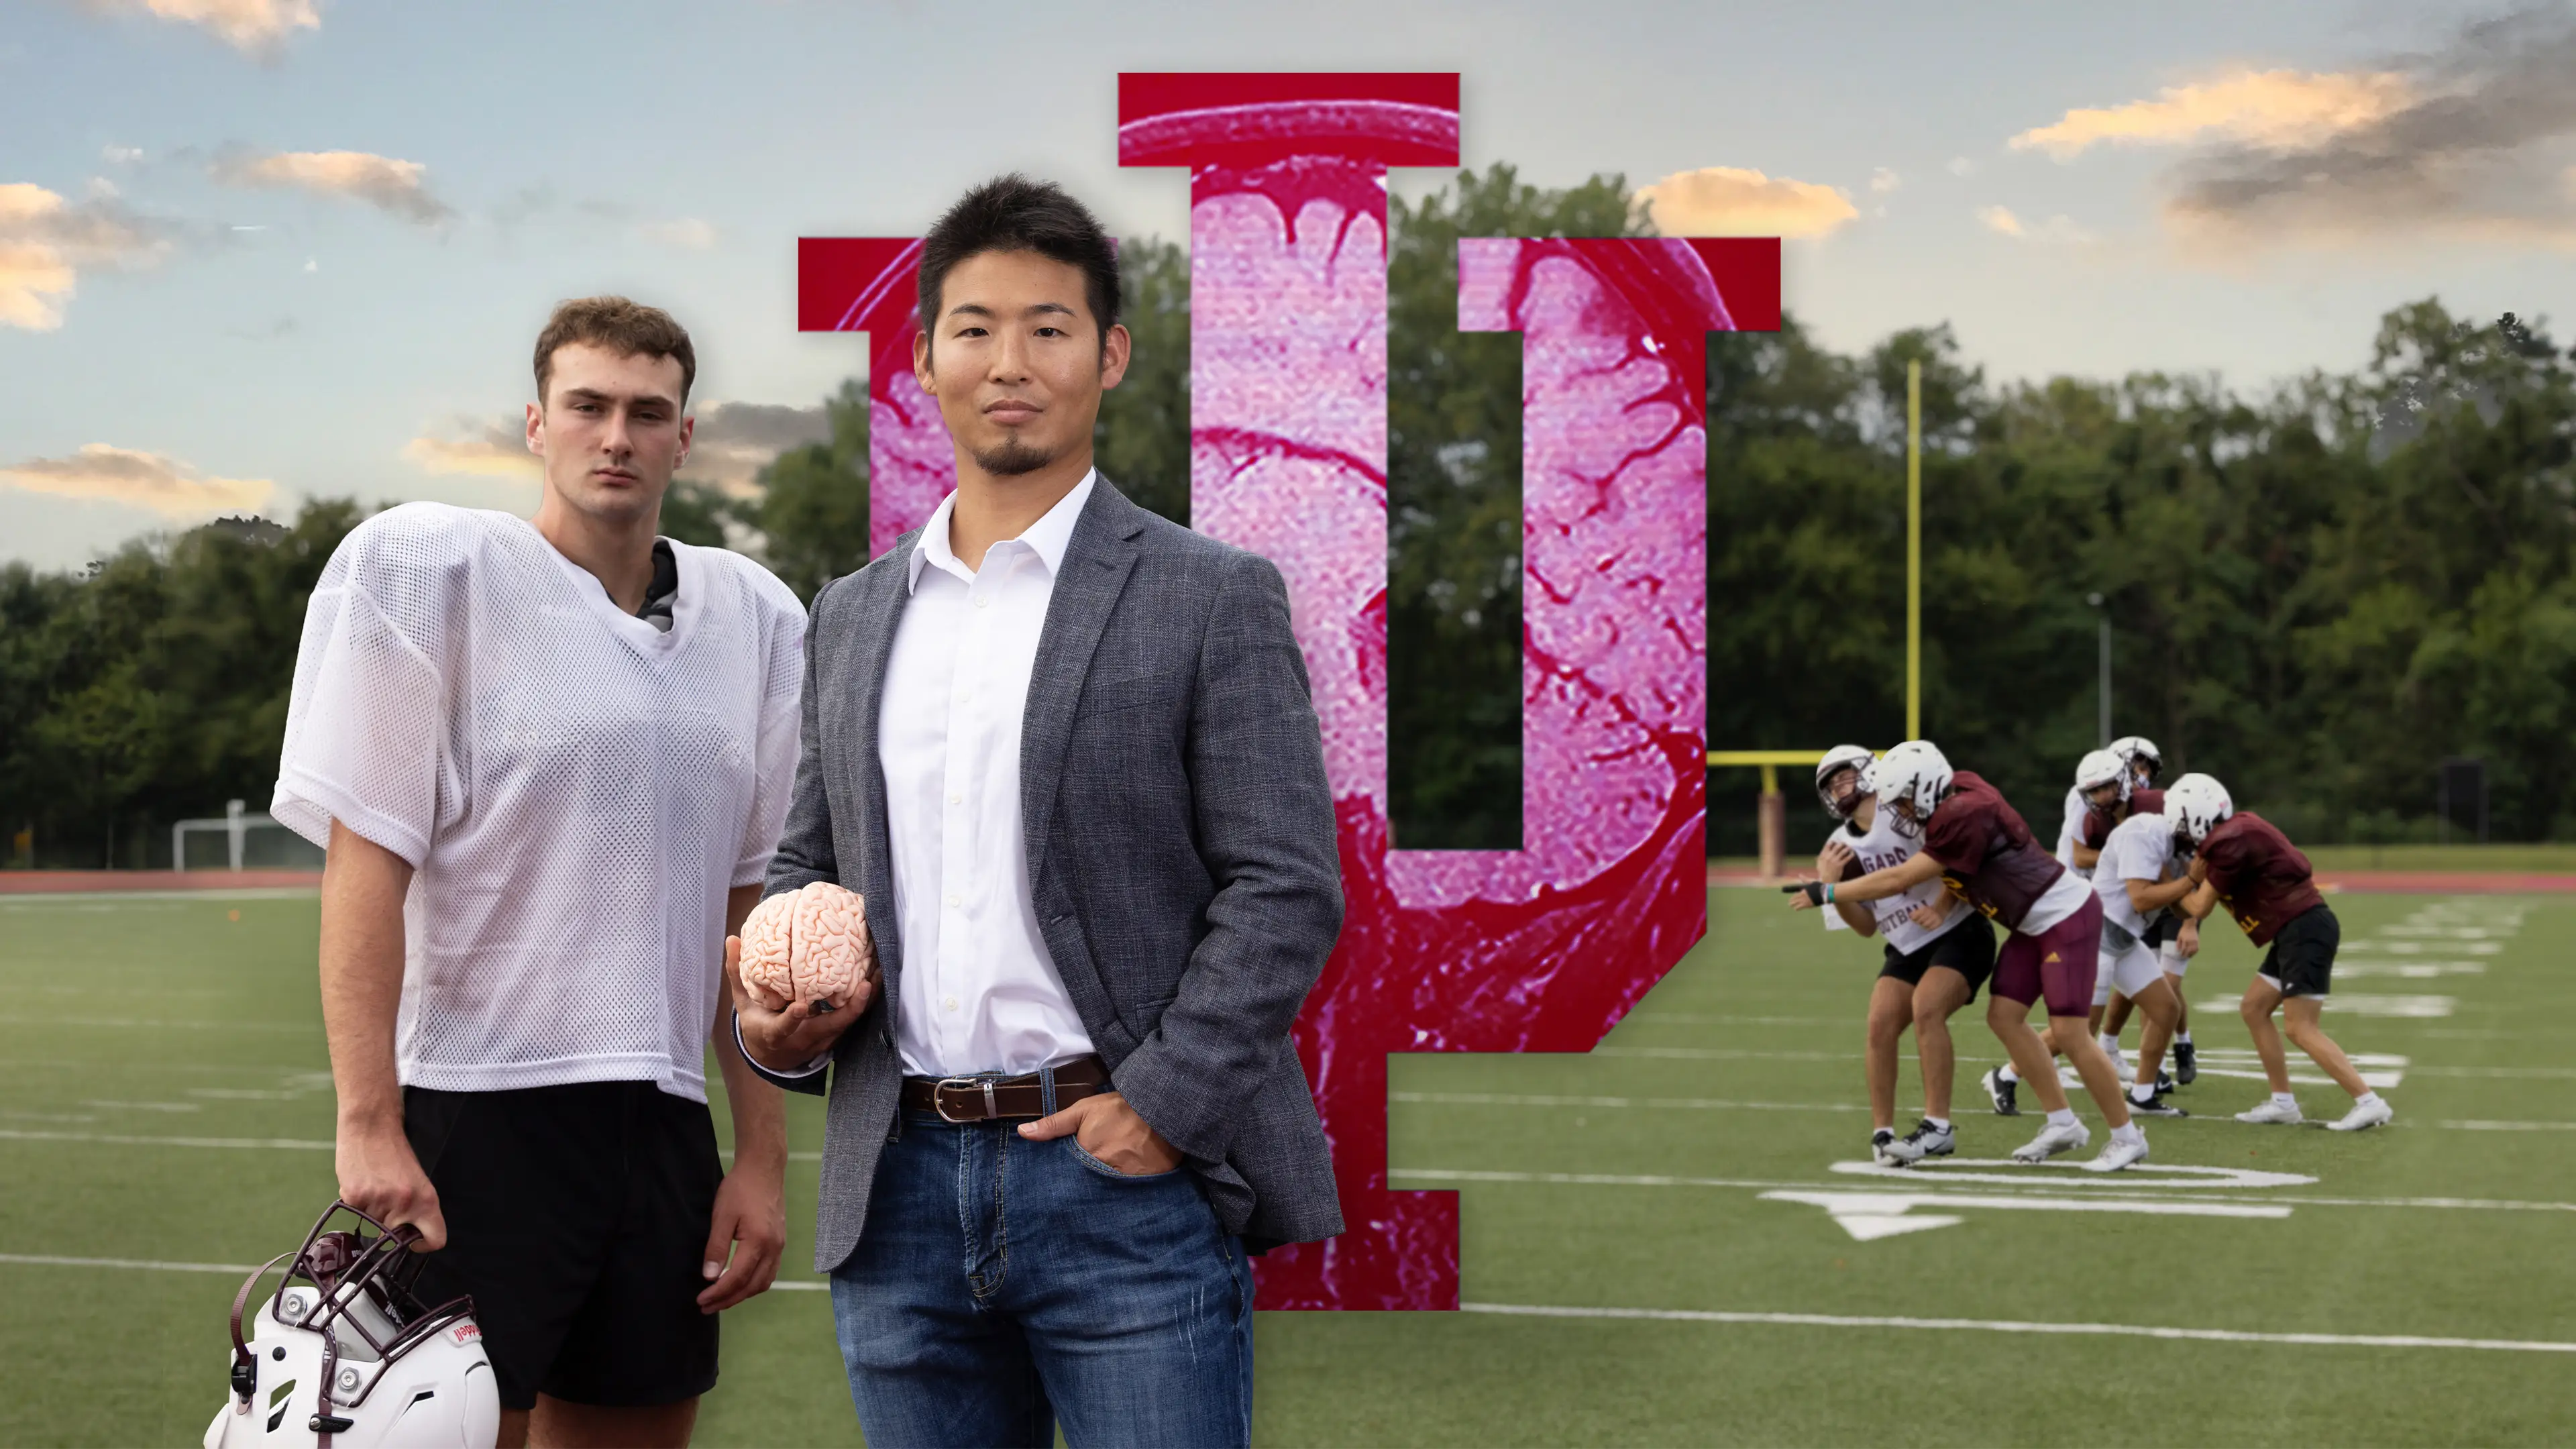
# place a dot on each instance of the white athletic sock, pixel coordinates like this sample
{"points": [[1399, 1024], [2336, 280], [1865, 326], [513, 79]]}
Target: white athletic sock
{"points": [[2008, 1074], [2062, 1117], [2286, 1099], [2128, 1131], [2366, 1099], [2183, 1037], [2142, 1091], [1939, 1124], [2110, 1045]]}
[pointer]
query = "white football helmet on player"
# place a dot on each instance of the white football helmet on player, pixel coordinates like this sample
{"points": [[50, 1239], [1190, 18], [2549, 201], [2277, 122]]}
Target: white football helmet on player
{"points": [[341, 1354], [2139, 753], [1916, 775], [1856, 758], [2097, 769], [2195, 804]]}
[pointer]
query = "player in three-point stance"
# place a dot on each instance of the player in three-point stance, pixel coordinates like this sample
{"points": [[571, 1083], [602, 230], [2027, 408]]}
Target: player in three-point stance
{"points": [[1979, 846], [1938, 954], [2241, 861]]}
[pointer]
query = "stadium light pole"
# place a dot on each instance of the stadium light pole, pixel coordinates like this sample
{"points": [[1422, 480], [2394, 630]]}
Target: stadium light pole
{"points": [[1914, 549], [2105, 712]]}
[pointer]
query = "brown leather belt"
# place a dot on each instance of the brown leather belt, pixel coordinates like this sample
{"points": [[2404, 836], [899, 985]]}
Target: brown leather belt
{"points": [[993, 1099]]}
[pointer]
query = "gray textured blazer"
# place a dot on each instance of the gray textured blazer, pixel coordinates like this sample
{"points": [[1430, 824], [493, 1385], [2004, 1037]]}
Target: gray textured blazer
{"points": [[1182, 854]]}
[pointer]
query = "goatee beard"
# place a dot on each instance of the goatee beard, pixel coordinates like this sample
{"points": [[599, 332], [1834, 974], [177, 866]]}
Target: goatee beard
{"points": [[1012, 459]]}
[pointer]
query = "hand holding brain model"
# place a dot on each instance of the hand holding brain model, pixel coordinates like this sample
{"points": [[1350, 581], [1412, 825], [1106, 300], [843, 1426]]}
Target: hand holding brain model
{"points": [[808, 945]]}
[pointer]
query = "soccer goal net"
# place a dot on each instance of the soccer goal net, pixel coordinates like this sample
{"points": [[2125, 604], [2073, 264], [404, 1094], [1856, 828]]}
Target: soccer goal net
{"points": [[240, 840]]}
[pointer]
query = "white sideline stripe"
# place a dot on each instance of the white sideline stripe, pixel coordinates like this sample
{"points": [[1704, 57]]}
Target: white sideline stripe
{"points": [[1701, 1104], [1605, 1179], [243, 1270], [1989, 1325], [2513, 1126]]}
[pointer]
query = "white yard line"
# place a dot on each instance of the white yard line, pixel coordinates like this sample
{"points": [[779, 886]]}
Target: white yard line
{"points": [[50, 1260], [244, 1270], [1990, 1325], [297, 1144], [2109, 1182], [2513, 1126], [1694, 1104]]}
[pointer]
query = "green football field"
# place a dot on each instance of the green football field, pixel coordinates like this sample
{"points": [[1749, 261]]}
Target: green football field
{"points": [[1674, 1239]]}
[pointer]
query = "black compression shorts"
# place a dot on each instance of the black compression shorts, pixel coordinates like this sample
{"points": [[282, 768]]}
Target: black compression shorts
{"points": [[1967, 948]]}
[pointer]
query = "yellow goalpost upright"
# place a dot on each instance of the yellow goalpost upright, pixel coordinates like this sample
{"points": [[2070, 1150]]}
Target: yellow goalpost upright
{"points": [[1772, 816]]}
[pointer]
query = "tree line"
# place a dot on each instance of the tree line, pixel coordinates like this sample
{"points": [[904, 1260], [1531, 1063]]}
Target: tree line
{"points": [[2317, 590]]}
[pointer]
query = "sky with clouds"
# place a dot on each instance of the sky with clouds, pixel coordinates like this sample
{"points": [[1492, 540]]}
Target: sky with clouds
{"points": [[258, 250]]}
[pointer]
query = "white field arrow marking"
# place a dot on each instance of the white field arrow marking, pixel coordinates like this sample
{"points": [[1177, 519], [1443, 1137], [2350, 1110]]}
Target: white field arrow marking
{"points": [[1871, 1215]]}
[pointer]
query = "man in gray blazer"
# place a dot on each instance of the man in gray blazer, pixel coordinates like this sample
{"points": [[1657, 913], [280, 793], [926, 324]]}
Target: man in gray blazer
{"points": [[1065, 751]]}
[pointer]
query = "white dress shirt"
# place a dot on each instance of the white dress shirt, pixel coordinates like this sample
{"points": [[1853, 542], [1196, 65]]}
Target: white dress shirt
{"points": [[978, 992]]}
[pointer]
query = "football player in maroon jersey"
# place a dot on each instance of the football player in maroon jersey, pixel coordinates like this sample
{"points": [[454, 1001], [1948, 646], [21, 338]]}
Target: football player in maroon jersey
{"points": [[2138, 755], [1984, 852], [2241, 861]]}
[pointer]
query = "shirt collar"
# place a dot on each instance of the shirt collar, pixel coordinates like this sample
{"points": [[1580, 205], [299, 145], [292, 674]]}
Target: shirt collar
{"points": [[1048, 538]]}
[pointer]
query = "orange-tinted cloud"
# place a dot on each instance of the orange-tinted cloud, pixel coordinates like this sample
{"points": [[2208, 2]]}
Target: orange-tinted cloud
{"points": [[1735, 201], [2273, 108], [250, 25], [380, 181], [105, 473]]}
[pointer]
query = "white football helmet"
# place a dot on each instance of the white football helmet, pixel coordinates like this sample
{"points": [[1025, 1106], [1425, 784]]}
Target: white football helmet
{"points": [[341, 1355], [2195, 804], [1837, 759], [2099, 768], [1915, 772], [2140, 753]]}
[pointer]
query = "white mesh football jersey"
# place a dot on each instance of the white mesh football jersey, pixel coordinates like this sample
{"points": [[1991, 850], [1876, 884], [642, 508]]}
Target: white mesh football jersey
{"points": [[2138, 848], [574, 789], [2070, 833], [1878, 848]]}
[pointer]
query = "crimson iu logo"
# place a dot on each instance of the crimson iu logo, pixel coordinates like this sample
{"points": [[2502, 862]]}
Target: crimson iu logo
{"points": [[1538, 949]]}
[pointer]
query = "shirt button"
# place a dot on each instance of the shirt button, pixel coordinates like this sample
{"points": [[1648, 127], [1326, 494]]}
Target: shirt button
{"points": [[983, 601], [950, 1003], [956, 799], [955, 901]]}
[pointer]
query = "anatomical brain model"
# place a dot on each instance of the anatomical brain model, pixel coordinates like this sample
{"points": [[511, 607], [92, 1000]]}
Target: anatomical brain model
{"points": [[809, 945]]}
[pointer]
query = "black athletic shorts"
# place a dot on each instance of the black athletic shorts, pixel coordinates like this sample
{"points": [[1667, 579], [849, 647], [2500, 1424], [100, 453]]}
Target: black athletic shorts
{"points": [[2164, 928], [1967, 948], [577, 1216], [2301, 961]]}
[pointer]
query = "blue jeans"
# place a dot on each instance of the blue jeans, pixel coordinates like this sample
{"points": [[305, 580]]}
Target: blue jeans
{"points": [[1002, 1284]]}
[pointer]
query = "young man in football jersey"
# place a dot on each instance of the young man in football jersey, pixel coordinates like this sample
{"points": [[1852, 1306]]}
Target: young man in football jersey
{"points": [[2143, 761], [2099, 776], [1938, 953], [549, 760], [2134, 879], [2241, 861], [1979, 846]]}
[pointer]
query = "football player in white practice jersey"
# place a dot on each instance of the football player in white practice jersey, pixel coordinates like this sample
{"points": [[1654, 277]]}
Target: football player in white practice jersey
{"points": [[2136, 879], [549, 760], [1938, 953]]}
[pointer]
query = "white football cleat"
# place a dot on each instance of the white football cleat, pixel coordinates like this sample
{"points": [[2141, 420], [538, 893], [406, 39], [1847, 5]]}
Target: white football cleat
{"points": [[2270, 1111], [2052, 1141], [2363, 1114], [2120, 1154]]}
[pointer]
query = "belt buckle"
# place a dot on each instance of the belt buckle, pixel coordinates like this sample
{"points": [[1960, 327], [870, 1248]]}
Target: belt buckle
{"points": [[939, 1099]]}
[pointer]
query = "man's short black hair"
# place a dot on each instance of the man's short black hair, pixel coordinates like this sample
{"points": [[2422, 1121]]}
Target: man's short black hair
{"points": [[1014, 214]]}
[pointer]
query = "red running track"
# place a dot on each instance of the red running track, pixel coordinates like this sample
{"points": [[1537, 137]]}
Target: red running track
{"points": [[52, 882]]}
